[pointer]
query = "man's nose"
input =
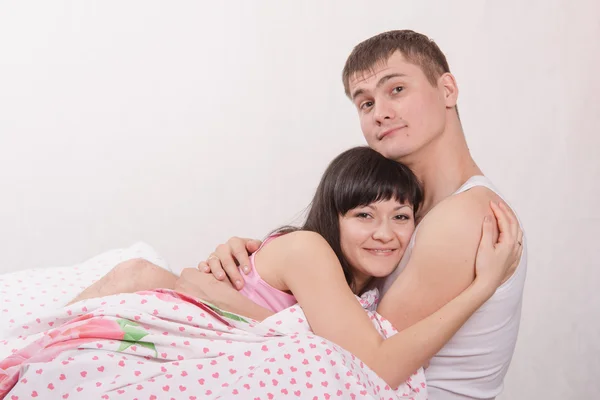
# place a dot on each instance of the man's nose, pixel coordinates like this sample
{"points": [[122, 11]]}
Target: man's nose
{"points": [[383, 111]]}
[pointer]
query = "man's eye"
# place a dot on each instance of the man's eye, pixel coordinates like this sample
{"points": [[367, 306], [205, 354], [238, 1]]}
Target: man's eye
{"points": [[397, 89], [366, 104]]}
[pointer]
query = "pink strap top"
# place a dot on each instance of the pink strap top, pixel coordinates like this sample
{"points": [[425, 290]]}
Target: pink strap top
{"points": [[260, 292]]}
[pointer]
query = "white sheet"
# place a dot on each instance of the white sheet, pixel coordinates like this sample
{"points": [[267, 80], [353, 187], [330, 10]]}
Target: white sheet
{"points": [[39, 290]]}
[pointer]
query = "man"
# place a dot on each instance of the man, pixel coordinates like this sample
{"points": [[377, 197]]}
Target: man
{"points": [[406, 98]]}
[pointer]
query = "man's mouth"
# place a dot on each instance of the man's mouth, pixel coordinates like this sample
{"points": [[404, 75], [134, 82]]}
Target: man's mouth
{"points": [[383, 134]]}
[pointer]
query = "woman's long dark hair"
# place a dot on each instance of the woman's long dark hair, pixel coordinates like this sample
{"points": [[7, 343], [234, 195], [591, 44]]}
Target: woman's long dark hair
{"points": [[357, 177]]}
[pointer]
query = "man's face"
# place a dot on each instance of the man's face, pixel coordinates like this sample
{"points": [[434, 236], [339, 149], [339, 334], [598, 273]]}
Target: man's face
{"points": [[400, 111]]}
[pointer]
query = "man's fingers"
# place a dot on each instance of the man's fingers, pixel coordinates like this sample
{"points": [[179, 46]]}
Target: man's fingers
{"points": [[233, 273], [223, 263], [215, 267], [252, 245], [228, 264], [243, 261], [203, 266], [237, 247]]}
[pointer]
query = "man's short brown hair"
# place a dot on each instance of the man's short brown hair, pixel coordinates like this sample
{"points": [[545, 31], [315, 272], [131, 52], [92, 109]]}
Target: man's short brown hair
{"points": [[416, 48]]}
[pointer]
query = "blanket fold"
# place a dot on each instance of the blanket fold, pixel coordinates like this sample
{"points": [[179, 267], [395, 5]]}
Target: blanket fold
{"points": [[162, 344]]}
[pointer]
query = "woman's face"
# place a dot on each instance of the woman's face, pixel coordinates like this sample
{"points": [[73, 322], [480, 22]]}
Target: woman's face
{"points": [[374, 238]]}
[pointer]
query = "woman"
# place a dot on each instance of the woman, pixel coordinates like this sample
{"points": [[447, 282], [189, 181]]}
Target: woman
{"points": [[359, 224]]}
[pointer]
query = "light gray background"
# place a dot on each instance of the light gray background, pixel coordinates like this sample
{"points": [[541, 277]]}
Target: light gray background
{"points": [[183, 123]]}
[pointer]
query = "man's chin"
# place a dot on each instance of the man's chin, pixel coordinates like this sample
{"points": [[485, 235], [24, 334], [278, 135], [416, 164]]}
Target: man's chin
{"points": [[396, 154]]}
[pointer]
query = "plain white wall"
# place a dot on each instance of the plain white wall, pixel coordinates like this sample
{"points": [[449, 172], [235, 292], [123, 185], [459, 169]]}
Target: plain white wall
{"points": [[183, 123]]}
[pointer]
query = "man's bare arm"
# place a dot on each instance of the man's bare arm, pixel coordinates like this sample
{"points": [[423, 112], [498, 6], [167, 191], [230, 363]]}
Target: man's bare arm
{"points": [[442, 263], [204, 286]]}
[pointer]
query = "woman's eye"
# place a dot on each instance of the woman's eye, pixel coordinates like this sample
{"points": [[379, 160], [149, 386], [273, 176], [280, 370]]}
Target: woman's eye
{"points": [[402, 217], [362, 215], [397, 89]]}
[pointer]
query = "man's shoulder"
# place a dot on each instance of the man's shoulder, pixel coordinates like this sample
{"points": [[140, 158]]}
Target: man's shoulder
{"points": [[441, 262], [447, 239], [461, 211], [474, 200]]}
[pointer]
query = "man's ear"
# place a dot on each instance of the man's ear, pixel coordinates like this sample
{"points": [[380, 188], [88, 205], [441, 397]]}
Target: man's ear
{"points": [[447, 82]]}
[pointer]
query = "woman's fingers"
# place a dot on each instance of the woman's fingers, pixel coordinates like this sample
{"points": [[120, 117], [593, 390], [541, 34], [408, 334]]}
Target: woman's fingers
{"points": [[510, 240], [512, 218], [516, 231], [503, 224], [508, 225], [487, 234], [520, 237], [519, 250]]}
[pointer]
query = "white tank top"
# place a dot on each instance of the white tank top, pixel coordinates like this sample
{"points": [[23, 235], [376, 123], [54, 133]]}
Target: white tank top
{"points": [[472, 365]]}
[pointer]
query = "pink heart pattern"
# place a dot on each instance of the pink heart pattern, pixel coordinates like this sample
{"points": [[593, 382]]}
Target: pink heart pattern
{"points": [[215, 356]]}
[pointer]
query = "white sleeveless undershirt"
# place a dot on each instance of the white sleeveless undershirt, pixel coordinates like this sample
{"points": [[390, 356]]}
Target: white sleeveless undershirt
{"points": [[472, 365]]}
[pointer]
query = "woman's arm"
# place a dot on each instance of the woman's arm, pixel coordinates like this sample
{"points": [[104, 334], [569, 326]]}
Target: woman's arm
{"points": [[311, 270]]}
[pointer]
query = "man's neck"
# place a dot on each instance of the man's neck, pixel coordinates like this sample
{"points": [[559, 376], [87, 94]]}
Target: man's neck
{"points": [[442, 166]]}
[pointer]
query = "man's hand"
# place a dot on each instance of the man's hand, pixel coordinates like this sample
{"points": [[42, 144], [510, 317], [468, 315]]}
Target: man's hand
{"points": [[224, 261]]}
